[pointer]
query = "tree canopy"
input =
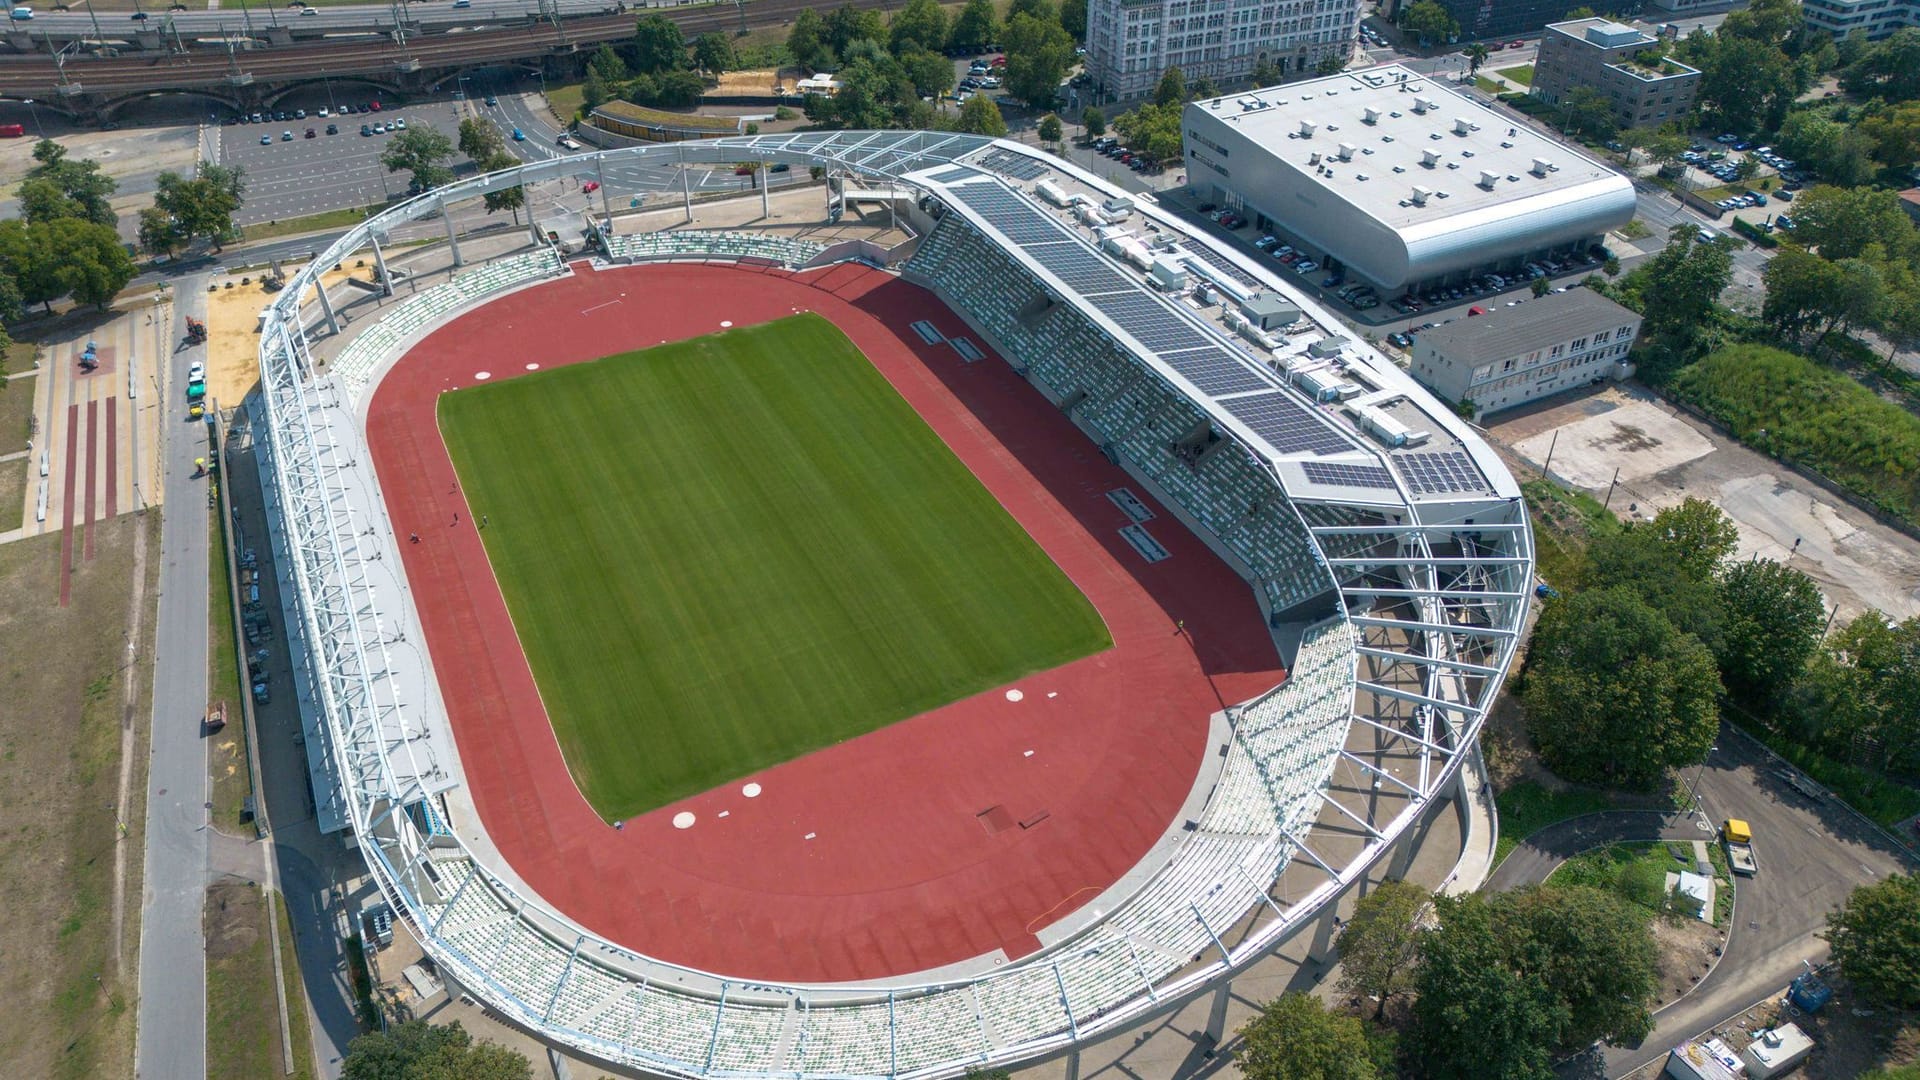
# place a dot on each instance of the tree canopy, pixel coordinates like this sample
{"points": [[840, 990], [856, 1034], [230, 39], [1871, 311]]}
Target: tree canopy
{"points": [[976, 27], [1876, 940], [1772, 618], [416, 1050], [1429, 21], [1614, 694], [1153, 130], [1039, 51], [1595, 952], [1682, 284], [59, 186], [1476, 1014], [185, 209], [47, 260], [1863, 684], [1380, 945], [981, 116], [422, 152], [657, 45], [920, 25], [1296, 1037]]}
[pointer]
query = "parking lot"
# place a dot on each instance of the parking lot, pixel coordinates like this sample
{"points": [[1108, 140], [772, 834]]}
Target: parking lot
{"points": [[1763, 199], [291, 175]]}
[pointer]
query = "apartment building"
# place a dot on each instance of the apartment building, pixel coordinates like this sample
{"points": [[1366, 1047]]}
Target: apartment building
{"points": [[1512, 355], [1131, 43], [1623, 62], [1877, 18]]}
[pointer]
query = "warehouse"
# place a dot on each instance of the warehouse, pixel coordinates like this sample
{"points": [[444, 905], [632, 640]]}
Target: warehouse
{"points": [[1399, 181]]}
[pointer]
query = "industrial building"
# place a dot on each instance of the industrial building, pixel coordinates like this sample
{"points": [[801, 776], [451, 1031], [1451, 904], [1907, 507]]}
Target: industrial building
{"points": [[1513, 355], [1620, 61], [1398, 181], [1130, 43]]}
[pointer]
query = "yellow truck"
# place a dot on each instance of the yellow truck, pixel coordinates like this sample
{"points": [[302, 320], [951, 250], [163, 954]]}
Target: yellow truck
{"points": [[1738, 838]]}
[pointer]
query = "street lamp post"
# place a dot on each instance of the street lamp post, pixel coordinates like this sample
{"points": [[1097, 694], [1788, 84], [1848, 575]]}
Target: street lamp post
{"points": [[35, 113], [1693, 790]]}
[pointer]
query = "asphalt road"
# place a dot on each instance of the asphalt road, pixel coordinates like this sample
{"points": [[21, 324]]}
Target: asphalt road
{"points": [[173, 988], [1811, 854]]}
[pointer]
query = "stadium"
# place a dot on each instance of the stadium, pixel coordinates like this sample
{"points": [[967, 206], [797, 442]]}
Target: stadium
{"points": [[753, 653]]}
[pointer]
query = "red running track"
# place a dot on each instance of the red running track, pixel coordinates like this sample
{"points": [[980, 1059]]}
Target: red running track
{"points": [[874, 857]]}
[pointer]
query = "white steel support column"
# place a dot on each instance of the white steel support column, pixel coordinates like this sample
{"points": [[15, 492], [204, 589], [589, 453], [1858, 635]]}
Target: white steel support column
{"points": [[766, 181], [380, 264], [1217, 1016], [453, 236], [326, 306]]}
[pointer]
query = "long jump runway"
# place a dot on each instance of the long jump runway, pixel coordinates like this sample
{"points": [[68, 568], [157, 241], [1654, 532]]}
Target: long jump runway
{"points": [[938, 839]]}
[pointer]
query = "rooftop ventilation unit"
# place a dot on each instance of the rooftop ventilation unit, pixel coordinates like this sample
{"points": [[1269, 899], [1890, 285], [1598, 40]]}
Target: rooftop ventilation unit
{"points": [[1420, 195], [1346, 151], [1314, 159], [1372, 114], [1488, 178], [1541, 166], [1460, 125], [1429, 158], [1431, 104], [1420, 105], [1306, 129]]}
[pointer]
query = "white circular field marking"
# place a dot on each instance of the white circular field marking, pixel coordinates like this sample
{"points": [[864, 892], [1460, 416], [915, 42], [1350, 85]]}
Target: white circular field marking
{"points": [[1014, 695], [683, 820], [533, 367], [483, 376], [724, 323], [751, 791]]}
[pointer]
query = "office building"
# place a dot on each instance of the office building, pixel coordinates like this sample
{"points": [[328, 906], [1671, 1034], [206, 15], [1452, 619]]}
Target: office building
{"points": [[1398, 180], [1622, 62], [1485, 19], [1875, 18], [1131, 43], [1512, 355]]}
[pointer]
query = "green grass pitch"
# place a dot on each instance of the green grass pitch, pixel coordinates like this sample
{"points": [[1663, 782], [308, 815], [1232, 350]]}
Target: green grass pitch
{"points": [[723, 553]]}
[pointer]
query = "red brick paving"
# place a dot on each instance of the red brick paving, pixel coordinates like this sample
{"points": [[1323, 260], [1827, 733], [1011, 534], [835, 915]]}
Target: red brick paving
{"points": [[866, 859]]}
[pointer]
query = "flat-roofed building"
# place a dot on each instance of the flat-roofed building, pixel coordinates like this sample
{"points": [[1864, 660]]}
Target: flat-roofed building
{"points": [[630, 121], [1512, 355], [1131, 43], [1874, 18], [1398, 180], [1623, 63]]}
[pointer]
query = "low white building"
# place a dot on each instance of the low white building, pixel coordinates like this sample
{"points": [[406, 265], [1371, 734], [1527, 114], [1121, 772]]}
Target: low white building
{"points": [[1874, 18], [1512, 355], [1398, 180]]}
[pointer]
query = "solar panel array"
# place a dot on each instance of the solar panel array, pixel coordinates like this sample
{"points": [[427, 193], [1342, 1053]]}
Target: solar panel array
{"points": [[1016, 218], [948, 176], [1287, 425], [1334, 473], [1433, 473], [1018, 166], [1221, 263]]}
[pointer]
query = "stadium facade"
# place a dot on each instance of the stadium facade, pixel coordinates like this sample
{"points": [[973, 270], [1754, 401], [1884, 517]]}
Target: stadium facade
{"points": [[1386, 543], [1398, 179]]}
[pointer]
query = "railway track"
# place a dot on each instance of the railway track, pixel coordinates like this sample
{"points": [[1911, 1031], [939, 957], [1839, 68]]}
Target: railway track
{"points": [[108, 77]]}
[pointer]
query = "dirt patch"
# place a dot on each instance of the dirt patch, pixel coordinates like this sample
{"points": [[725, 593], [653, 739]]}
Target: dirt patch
{"points": [[1688, 949], [1850, 1039], [71, 994], [233, 337], [757, 83]]}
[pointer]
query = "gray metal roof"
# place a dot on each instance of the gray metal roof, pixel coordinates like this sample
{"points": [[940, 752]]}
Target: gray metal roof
{"points": [[1541, 321]]}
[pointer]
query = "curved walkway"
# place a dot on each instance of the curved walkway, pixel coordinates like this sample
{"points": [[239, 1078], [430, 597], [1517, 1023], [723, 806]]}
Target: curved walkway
{"points": [[1541, 853]]}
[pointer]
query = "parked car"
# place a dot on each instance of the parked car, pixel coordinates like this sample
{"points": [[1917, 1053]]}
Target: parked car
{"points": [[312, 134], [400, 124], [333, 129], [1784, 195], [492, 101]]}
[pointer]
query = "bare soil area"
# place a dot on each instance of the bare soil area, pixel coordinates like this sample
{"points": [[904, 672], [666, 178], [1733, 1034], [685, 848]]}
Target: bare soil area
{"points": [[64, 678], [1688, 949]]}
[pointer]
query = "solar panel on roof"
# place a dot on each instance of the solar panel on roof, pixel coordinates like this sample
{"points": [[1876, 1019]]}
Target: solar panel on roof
{"points": [[1287, 425], [1219, 262], [1336, 474], [1432, 473], [1018, 166]]}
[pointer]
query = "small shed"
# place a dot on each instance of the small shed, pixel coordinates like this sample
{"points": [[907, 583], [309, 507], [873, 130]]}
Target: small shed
{"points": [[1269, 311], [1777, 1051]]}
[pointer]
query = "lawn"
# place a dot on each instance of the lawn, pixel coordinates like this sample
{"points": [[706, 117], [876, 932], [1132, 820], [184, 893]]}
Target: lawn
{"points": [[16, 401], [320, 222], [1637, 874], [1522, 74], [1526, 808], [724, 553], [243, 1017]]}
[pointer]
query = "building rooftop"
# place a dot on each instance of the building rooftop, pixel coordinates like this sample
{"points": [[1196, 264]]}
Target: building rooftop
{"points": [[640, 114], [1509, 331], [1406, 150], [1605, 33]]}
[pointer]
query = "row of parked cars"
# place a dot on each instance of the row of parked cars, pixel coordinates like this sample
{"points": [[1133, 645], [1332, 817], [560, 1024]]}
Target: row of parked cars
{"points": [[1108, 146], [281, 116], [1487, 284]]}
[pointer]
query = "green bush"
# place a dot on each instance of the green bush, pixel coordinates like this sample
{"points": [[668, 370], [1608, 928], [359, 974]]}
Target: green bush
{"points": [[1755, 233]]}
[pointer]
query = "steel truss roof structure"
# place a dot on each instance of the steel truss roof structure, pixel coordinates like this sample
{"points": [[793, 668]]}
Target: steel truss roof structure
{"points": [[1326, 773]]}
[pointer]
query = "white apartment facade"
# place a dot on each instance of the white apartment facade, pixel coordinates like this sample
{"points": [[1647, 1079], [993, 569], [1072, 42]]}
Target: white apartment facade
{"points": [[1514, 355], [1131, 43], [1876, 18]]}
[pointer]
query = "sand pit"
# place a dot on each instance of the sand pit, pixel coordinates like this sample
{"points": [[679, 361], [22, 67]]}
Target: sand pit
{"points": [[233, 338]]}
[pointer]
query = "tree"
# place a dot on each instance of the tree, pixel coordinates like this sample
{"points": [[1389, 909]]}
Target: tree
{"points": [[1153, 130], [1542, 286], [1842, 222], [512, 198], [1889, 69], [1588, 111], [1380, 945], [1876, 940], [416, 1050], [1049, 128], [658, 45], [1807, 294], [930, 73], [976, 27], [88, 261], [479, 139], [1038, 55], [1095, 121], [1295, 1037], [1614, 694], [1837, 152], [202, 206], [713, 53], [1593, 950], [807, 41], [1476, 1016], [1747, 84], [1333, 63], [423, 152], [847, 24], [58, 186], [1267, 73], [1684, 282], [1172, 89], [922, 24], [1864, 686], [156, 233], [1073, 18], [981, 116], [1429, 21], [1659, 145], [1476, 55], [1895, 133], [1671, 563], [1772, 619], [607, 64]]}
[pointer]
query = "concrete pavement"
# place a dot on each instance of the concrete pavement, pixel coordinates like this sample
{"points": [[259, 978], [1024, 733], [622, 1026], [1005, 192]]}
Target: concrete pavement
{"points": [[172, 1013]]}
